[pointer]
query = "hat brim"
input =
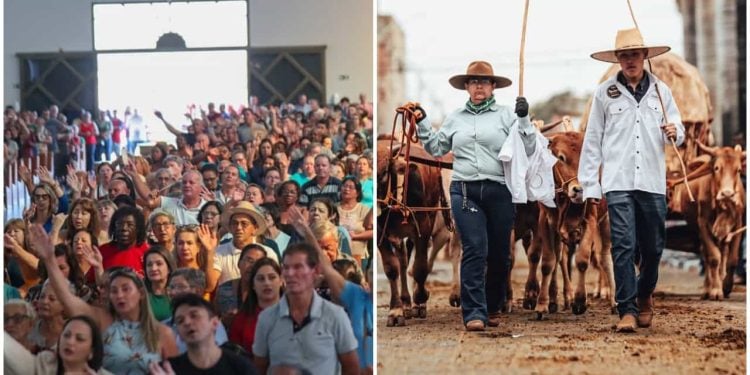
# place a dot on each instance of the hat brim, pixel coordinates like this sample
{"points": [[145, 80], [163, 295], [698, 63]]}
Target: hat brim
{"points": [[609, 56], [260, 220], [458, 81]]}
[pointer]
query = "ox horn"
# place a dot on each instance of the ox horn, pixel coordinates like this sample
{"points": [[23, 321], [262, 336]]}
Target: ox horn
{"points": [[709, 150], [548, 127]]}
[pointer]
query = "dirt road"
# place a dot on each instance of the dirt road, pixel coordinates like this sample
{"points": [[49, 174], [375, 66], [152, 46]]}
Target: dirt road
{"points": [[690, 335]]}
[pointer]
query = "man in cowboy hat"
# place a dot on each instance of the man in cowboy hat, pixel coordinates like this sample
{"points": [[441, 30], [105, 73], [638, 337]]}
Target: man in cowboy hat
{"points": [[480, 200], [246, 223], [626, 135]]}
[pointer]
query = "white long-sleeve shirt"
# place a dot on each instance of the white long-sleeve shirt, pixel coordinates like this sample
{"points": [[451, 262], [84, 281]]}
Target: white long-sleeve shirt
{"points": [[625, 138], [528, 177]]}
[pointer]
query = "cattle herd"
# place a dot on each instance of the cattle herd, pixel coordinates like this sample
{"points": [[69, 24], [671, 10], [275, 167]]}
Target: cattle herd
{"points": [[572, 237]]}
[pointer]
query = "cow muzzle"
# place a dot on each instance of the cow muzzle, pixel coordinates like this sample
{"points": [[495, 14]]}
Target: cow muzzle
{"points": [[575, 193]]}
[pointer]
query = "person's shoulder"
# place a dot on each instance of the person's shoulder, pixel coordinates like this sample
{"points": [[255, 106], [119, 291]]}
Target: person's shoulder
{"points": [[239, 364], [269, 314], [180, 363], [225, 248], [331, 309], [607, 83]]}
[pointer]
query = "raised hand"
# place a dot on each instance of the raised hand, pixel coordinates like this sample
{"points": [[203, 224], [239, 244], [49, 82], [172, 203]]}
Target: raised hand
{"points": [[207, 194], [39, 242], [130, 167], [237, 194], [24, 173], [298, 220], [207, 237], [58, 220], [29, 212], [73, 182], [522, 107], [92, 181], [45, 176], [93, 256]]}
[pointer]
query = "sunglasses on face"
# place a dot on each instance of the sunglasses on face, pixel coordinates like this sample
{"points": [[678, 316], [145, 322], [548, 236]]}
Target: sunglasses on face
{"points": [[480, 81]]}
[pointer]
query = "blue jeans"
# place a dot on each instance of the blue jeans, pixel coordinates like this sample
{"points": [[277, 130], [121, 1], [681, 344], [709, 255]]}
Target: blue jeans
{"points": [[637, 224], [484, 214], [103, 149]]}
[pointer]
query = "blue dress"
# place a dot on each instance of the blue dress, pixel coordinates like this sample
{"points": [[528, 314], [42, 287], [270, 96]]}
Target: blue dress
{"points": [[125, 351]]}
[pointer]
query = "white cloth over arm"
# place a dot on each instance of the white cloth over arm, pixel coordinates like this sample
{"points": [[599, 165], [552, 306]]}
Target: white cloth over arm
{"points": [[528, 177]]}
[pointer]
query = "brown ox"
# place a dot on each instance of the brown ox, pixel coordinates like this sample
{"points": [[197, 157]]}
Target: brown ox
{"points": [[396, 223], [718, 211], [572, 223]]}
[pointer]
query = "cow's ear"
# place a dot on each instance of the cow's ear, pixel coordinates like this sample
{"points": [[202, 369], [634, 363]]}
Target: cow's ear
{"points": [[738, 148]]}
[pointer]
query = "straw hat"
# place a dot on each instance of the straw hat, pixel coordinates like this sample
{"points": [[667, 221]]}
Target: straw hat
{"points": [[478, 69], [628, 39], [247, 208]]}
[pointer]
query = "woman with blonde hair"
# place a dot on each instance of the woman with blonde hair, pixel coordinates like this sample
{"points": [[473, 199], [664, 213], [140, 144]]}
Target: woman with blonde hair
{"points": [[132, 336]]}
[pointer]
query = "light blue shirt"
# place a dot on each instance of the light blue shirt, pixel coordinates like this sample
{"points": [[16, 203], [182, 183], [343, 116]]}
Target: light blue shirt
{"points": [[358, 304], [315, 347], [476, 141]]}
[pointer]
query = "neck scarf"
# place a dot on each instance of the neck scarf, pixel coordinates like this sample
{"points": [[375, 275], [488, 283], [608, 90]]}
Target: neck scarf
{"points": [[482, 107]]}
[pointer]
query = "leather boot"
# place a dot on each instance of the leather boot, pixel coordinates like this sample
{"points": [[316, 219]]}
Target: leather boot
{"points": [[493, 320], [475, 325], [627, 324], [646, 314]]}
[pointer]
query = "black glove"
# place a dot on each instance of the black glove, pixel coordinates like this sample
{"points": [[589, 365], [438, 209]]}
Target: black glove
{"points": [[522, 107]]}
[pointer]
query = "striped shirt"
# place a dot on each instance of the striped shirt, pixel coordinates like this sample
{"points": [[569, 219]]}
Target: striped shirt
{"points": [[312, 190]]}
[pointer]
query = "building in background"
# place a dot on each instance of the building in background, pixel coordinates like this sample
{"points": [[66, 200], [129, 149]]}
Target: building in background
{"points": [[715, 42]]}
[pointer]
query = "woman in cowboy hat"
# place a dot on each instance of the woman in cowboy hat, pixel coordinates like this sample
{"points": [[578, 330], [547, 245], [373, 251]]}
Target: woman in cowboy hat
{"points": [[480, 200], [625, 136]]}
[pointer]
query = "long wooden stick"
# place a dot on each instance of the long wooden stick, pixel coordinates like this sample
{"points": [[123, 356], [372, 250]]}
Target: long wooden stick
{"points": [[523, 48], [663, 109]]}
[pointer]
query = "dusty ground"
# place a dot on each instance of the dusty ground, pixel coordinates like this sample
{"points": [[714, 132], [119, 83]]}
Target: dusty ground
{"points": [[690, 335]]}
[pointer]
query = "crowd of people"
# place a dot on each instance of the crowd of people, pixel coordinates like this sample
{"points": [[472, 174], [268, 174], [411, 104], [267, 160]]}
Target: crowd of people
{"points": [[243, 247], [28, 134]]}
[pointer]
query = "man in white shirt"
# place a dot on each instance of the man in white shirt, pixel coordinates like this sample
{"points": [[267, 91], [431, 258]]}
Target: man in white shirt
{"points": [[185, 209], [245, 222], [626, 136]]}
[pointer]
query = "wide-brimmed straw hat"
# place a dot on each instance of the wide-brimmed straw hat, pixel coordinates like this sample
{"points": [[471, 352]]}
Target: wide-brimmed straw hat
{"points": [[628, 39], [478, 69], [247, 208]]}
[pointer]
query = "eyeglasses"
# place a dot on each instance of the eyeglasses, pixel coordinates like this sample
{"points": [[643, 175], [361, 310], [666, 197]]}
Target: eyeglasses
{"points": [[178, 287], [41, 196], [241, 224], [479, 81], [15, 319]]}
